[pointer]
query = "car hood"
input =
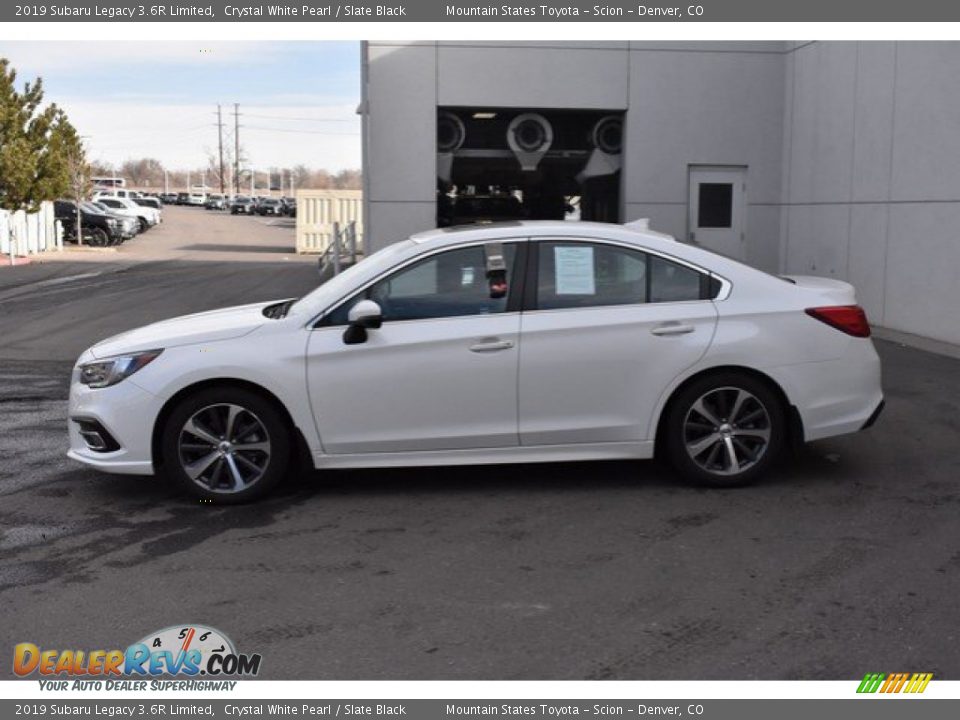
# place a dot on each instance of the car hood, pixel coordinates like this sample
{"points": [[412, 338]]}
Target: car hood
{"points": [[202, 327]]}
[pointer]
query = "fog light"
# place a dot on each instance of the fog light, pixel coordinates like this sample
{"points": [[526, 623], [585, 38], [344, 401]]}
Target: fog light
{"points": [[96, 436]]}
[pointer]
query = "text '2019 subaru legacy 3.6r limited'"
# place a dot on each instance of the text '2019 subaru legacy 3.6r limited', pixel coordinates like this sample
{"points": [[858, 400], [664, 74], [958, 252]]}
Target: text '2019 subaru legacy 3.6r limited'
{"points": [[519, 342]]}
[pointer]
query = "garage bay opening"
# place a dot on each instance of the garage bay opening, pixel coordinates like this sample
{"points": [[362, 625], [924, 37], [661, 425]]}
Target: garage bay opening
{"points": [[496, 164]]}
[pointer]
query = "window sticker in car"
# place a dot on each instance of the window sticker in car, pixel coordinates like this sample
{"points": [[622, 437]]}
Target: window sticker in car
{"points": [[574, 270]]}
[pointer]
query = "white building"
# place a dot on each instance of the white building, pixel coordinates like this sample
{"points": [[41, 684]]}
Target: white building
{"points": [[838, 159]]}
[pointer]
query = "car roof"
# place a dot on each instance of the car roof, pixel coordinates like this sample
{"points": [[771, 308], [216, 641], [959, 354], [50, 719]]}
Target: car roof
{"points": [[540, 228]]}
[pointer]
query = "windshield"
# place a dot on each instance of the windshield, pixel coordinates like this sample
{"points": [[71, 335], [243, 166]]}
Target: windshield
{"points": [[343, 284]]}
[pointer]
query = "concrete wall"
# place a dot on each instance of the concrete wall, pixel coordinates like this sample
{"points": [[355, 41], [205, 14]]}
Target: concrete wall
{"points": [[705, 104], [872, 177], [852, 149], [685, 103], [400, 145]]}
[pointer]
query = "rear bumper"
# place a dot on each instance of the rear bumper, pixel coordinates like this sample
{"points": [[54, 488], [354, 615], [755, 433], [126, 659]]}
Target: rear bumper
{"points": [[874, 415], [835, 397]]}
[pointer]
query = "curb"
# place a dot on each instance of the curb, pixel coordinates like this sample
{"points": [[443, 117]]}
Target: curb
{"points": [[11, 262]]}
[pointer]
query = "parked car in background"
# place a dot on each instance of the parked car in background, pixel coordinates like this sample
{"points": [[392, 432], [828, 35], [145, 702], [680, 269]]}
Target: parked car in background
{"points": [[129, 225], [114, 192], [216, 201], [289, 206], [148, 216], [100, 229], [241, 205], [197, 197], [169, 198], [269, 206], [151, 202], [183, 198], [633, 345]]}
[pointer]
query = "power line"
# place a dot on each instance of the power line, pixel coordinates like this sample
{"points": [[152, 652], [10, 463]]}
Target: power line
{"points": [[289, 130], [236, 147], [220, 145], [302, 119]]}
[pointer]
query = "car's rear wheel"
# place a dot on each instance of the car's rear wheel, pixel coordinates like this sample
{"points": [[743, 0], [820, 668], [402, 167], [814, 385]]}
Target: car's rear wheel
{"points": [[725, 430], [226, 445], [144, 225]]}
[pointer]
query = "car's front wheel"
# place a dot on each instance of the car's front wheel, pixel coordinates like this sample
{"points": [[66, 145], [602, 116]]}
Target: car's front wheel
{"points": [[98, 237], [725, 430], [227, 445]]}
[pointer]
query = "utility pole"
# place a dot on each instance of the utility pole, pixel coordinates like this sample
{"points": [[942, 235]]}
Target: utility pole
{"points": [[220, 146], [253, 181], [236, 146], [166, 181]]}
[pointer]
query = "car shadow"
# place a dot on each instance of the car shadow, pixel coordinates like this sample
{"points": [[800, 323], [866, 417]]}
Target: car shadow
{"points": [[219, 247], [806, 467]]}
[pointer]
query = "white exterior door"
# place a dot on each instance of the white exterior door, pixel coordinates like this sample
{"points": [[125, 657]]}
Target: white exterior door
{"points": [[611, 329], [440, 374], [717, 209]]}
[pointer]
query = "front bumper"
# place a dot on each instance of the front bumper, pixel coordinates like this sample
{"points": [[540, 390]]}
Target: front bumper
{"points": [[126, 413]]}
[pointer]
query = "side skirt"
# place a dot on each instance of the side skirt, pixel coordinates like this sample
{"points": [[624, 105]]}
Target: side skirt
{"points": [[491, 456]]}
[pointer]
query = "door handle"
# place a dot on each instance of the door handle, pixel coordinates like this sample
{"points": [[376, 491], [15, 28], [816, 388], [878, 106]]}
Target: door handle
{"points": [[672, 328], [491, 345]]}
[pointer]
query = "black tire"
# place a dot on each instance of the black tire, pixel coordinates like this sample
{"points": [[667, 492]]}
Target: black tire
{"points": [[144, 225], [699, 438], [98, 237], [258, 423]]}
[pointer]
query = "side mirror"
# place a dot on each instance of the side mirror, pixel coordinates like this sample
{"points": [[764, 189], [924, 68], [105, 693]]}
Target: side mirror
{"points": [[365, 315]]}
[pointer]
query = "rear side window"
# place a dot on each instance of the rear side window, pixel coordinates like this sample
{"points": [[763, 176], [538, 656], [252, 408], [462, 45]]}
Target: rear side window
{"points": [[670, 282], [582, 274], [576, 274]]}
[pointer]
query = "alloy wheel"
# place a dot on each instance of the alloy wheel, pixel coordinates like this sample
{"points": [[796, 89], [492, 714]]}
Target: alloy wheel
{"points": [[224, 448], [726, 431]]}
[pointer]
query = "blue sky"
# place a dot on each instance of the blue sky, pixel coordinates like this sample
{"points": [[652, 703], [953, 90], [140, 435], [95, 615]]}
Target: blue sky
{"points": [[158, 99]]}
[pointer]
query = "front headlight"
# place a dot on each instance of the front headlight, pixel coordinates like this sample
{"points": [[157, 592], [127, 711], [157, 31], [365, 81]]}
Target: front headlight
{"points": [[104, 373]]}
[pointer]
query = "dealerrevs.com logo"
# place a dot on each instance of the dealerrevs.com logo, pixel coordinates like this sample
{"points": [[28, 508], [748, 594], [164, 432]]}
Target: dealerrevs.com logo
{"points": [[180, 651], [886, 683]]}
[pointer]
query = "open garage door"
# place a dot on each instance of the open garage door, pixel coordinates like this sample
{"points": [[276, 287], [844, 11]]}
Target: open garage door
{"points": [[496, 164]]}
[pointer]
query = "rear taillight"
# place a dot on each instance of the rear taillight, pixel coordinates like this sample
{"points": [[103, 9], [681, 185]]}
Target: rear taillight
{"points": [[850, 319]]}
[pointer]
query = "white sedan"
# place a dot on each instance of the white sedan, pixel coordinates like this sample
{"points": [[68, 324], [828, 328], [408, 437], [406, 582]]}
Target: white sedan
{"points": [[519, 342]]}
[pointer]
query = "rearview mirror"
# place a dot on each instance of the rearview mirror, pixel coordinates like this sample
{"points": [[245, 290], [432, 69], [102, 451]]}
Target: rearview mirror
{"points": [[365, 315]]}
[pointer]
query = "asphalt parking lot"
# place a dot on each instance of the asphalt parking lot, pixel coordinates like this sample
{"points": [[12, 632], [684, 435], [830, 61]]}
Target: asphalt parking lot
{"points": [[846, 561]]}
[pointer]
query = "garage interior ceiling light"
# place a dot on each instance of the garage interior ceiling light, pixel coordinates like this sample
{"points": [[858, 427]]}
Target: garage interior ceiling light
{"points": [[484, 115]]}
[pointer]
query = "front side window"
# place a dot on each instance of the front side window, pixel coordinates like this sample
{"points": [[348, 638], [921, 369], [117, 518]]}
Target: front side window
{"points": [[580, 274], [449, 284]]}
